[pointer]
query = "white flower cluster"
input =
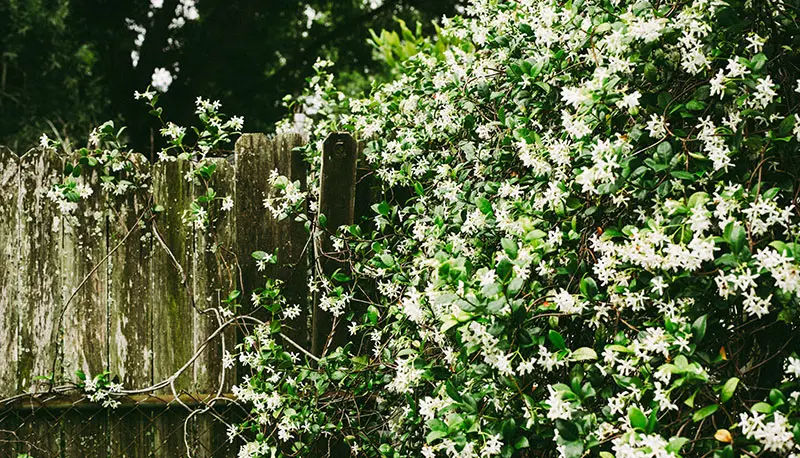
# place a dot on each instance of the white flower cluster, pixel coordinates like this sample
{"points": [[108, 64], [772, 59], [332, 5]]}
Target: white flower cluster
{"points": [[775, 435], [406, 377], [636, 445], [102, 392], [289, 195]]}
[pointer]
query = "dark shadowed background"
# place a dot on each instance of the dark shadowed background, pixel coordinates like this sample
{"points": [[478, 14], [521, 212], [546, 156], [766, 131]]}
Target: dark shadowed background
{"points": [[66, 66]]}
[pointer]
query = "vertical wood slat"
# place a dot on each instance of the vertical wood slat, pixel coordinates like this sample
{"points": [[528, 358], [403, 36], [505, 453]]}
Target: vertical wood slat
{"points": [[172, 304], [84, 272], [85, 434], [130, 314], [256, 158], [129, 286], [337, 203], [214, 277], [41, 284], [9, 272]]}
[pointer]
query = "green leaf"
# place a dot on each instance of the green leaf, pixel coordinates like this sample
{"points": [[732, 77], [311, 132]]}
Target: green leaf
{"points": [[637, 418], [676, 443], [484, 205], [387, 259], [556, 339], [323, 220], [452, 391], [680, 174], [758, 61], [695, 105], [699, 328], [728, 389], [735, 235], [664, 148], [584, 354], [510, 247], [761, 407], [567, 430], [522, 442], [383, 208], [259, 255], [705, 412], [698, 198], [588, 287], [690, 400], [432, 436]]}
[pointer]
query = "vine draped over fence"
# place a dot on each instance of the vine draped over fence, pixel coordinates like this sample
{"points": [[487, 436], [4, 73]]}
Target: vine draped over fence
{"points": [[122, 301]]}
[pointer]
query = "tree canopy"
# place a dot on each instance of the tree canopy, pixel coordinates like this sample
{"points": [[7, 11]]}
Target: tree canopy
{"points": [[66, 66]]}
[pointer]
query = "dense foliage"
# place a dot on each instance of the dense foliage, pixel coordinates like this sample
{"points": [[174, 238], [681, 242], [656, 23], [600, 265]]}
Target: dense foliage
{"points": [[585, 242], [66, 66]]}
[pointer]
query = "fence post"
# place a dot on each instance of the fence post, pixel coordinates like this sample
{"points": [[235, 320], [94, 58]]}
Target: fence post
{"points": [[337, 203]]}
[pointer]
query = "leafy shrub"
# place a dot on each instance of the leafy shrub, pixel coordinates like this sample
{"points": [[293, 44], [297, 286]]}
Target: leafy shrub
{"points": [[585, 242]]}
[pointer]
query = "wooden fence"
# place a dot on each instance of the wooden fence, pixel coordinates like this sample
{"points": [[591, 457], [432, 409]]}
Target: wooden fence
{"points": [[120, 294]]}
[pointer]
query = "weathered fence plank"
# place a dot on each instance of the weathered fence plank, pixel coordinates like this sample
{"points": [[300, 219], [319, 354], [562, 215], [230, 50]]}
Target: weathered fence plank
{"points": [[9, 273], [337, 203], [131, 434], [84, 299], [215, 275], [129, 286], [171, 265], [85, 433], [41, 284], [256, 158], [40, 436]]}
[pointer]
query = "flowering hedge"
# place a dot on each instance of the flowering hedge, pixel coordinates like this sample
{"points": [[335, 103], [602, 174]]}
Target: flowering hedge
{"points": [[584, 245]]}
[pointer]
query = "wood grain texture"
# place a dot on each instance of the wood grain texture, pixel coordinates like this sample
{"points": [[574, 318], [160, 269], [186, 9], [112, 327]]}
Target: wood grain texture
{"points": [[129, 286], [214, 276], [9, 271], [40, 296], [138, 314], [256, 157], [84, 272], [173, 314]]}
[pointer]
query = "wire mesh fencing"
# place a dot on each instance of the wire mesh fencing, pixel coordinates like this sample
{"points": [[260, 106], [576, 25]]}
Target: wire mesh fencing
{"points": [[63, 426]]}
